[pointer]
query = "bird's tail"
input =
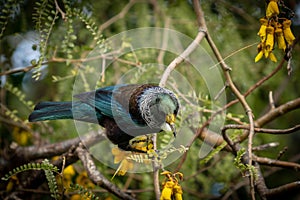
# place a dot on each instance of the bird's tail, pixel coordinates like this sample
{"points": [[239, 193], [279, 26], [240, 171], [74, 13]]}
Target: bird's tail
{"points": [[51, 111]]}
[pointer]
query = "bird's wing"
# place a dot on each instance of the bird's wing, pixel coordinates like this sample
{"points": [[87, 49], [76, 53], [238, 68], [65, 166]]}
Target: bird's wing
{"points": [[113, 102], [100, 99]]}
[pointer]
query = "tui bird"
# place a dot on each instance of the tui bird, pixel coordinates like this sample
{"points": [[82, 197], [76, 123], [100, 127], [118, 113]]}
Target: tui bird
{"points": [[125, 111]]}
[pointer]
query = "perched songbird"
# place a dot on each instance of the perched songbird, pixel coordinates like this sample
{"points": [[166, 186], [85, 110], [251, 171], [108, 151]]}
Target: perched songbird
{"points": [[126, 111]]}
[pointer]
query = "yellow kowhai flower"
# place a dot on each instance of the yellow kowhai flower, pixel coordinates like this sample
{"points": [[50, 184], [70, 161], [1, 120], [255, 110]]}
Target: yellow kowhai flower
{"points": [[262, 31], [13, 181], [273, 29], [21, 137], [171, 187], [259, 56], [177, 192], [272, 57], [121, 156], [83, 179], [124, 166], [80, 197], [69, 172], [269, 41], [141, 143], [272, 9], [280, 38], [288, 34], [167, 191], [261, 49]]}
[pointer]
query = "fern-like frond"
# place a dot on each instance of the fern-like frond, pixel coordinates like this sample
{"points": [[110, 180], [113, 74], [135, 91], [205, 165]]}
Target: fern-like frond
{"points": [[6, 12], [51, 180], [84, 193], [31, 166], [45, 16], [18, 93], [89, 24]]}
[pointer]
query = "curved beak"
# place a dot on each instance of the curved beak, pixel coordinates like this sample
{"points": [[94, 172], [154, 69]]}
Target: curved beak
{"points": [[169, 125]]}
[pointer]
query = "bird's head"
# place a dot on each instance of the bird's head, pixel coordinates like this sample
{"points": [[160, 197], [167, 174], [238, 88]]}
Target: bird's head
{"points": [[159, 107]]}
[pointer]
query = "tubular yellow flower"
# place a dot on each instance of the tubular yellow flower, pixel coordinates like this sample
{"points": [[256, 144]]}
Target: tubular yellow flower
{"points": [[124, 167], [262, 31], [13, 181], [119, 154], [177, 192], [272, 57], [260, 50], [69, 172], [280, 38], [167, 190], [269, 41], [272, 9], [259, 56], [21, 137], [288, 34], [83, 179]]}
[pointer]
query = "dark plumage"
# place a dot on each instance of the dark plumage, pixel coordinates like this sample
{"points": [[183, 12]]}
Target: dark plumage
{"points": [[125, 111]]}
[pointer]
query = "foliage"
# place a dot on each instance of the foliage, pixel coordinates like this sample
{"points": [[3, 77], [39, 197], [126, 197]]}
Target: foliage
{"points": [[44, 17], [84, 193], [45, 165], [7, 12], [69, 30]]}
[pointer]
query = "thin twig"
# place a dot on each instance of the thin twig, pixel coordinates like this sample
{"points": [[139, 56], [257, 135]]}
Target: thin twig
{"points": [[265, 146], [263, 130], [108, 56], [164, 42], [276, 163], [184, 55], [63, 14], [117, 17], [271, 100]]}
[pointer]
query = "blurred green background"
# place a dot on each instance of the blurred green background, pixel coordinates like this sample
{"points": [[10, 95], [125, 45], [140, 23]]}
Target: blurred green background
{"points": [[233, 26]]}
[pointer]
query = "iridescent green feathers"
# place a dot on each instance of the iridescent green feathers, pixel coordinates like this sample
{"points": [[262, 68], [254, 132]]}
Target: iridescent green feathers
{"points": [[124, 110]]}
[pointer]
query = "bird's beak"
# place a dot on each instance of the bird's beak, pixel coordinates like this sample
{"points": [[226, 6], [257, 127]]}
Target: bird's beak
{"points": [[169, 125]]}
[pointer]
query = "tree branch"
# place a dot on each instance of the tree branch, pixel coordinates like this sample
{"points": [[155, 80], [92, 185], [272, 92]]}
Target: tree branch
{"points": [[241, 99], [276, 163], [179, 59], [97, 177], [18, 155]]}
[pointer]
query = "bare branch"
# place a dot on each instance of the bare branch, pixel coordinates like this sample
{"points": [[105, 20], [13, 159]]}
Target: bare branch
{"points": [[271, 100], [18, 155], [117, 17], [263, 130], [97, 177], [63, 14], [276, 163], [283, 189], [239, 96], [201, 34], [265, 146], [280, 110]]}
